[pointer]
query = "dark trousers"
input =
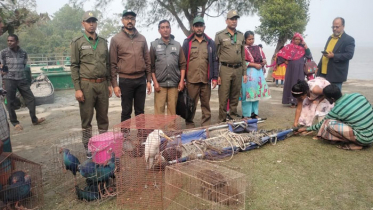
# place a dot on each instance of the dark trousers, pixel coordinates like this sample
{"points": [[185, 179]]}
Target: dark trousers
{"points": [[133, 92], [200, 91], [23, 87], [96, 97]]}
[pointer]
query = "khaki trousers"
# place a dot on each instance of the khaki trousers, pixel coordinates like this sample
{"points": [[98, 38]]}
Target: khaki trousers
{"points": [[200, 91], [165, 96], [231, 80], [96, 97]]}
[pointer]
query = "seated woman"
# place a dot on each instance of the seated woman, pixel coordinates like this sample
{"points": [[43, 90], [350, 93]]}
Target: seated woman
{"points": [[350, 122], [312, 106]]}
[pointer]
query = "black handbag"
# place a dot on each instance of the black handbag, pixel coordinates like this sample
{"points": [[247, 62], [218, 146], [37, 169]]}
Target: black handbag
{"points": [[185, 104]]}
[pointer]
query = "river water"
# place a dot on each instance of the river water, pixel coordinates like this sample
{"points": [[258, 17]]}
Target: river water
{"points": [[360, 65]]}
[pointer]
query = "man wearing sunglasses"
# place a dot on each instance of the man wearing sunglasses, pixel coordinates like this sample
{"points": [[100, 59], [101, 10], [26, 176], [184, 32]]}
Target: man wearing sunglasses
{"points": [[90, 72], [338, 52], [230, 47]]}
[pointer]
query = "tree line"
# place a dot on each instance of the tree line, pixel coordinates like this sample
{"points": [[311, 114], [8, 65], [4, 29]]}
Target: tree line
{"points": [[41, 34]]}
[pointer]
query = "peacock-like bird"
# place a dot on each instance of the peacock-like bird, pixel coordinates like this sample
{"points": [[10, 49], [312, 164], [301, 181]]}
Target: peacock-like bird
{"points": [[16, 176], [71, 162], [88, 168], [102, 174], [17, 191], [90, 193]]}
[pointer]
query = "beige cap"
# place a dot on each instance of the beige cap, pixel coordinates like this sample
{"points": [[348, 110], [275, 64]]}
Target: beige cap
{"points": [[233, 13], [88, 15]]}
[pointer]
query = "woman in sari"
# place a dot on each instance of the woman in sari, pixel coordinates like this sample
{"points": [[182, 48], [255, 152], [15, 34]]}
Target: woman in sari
{"points": [[294, 55], [256, 87], [279, 71]]}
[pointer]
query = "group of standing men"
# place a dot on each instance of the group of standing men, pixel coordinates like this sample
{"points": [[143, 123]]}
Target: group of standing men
{"points": [[95, 68], [199, 61]]}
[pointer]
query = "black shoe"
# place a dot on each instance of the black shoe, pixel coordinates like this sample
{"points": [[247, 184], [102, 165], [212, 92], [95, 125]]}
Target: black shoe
{"points": [[236, 115], [229, 118], [89, 155]]}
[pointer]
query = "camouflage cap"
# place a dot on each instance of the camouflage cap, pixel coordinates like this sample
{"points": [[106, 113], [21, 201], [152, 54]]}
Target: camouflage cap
{"points": [[198, 19], [128, 12], [233, 13], [88, 15]]}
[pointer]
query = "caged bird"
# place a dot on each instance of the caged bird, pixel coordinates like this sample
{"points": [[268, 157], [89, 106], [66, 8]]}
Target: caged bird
{"points": [[90, 193], [16, 176], [17, 191], [102, 174], [152, 147], [88, 168], [71, 162]]}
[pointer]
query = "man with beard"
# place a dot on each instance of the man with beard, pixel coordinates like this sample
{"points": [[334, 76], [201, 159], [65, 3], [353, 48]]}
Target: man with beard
{"points": [[230, 47], [338, 52], [349, 123], [129, 58], [14, 60], [90, 72], [168, 70], [202, 70]]}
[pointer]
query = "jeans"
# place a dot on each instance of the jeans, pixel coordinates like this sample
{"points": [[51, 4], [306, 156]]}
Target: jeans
{"points": [[23, 87], [133, 92]]}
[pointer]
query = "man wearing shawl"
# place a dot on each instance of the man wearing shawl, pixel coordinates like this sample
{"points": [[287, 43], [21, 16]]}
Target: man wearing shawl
{"points": [[295, 55]]}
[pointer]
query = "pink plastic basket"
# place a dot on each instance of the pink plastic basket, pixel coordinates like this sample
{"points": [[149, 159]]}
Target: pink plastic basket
{"points": [[101, 146]]}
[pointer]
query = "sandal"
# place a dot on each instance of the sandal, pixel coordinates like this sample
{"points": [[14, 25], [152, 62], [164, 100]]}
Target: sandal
{"points": [[348, 147], [40, 120], [18, 127], [306, 133]]}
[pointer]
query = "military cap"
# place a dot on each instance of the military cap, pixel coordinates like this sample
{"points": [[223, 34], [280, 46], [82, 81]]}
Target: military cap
{"points": [[198, 19], [88, 15], [233, 13], [128, 12]]}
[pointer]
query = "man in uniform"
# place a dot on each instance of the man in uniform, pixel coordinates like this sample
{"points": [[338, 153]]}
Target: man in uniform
{"points": [[202, 69], [4, 126], [90, 72], [168, 70], [230, 45]]}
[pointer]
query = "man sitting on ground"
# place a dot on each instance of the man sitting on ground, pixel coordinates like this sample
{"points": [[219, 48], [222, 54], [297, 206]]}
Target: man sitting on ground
{"points": [[350, 122]]}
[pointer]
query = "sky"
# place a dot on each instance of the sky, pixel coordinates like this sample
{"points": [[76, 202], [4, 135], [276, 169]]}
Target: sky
{"points": [[357, 14]]}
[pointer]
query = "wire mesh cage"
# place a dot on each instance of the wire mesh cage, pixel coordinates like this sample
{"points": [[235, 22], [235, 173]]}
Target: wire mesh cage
{"points": [[201, 185], [84, 164], [147, 149], [21, 183]]}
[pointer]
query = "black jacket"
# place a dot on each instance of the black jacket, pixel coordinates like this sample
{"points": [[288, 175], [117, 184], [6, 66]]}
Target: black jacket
{"points": [[338, 66]]}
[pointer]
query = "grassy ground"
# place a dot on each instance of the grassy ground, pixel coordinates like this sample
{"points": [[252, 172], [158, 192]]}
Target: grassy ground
{"points": [[298, 173]]}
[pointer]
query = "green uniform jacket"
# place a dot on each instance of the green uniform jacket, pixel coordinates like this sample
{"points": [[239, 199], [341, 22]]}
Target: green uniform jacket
{"points": [[87, 62], [229, 50]]}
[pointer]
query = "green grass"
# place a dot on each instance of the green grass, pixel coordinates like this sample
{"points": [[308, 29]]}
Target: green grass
{"points": [[298, 173]]}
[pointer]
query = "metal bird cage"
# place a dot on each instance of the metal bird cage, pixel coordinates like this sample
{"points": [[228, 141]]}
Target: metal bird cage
{"points": [[94, 179], [21, 183], [201, 185], [151, 142]]}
